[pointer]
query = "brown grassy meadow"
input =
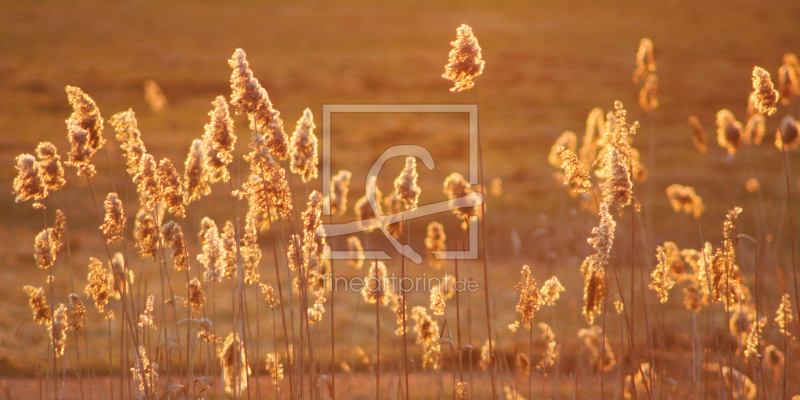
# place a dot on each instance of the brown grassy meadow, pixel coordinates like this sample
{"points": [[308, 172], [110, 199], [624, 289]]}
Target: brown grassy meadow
{"points": [[547, 66]]}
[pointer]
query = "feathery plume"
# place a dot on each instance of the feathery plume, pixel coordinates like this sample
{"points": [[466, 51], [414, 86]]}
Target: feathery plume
{"points": [[602, 356], [461, 390], [648, 96], [788, 83], [146, 317], [303, 149], [154, 97], [405, 185], [698, 135], [753, 338], [340, 185], [147, 234], [551, 350], [774, 359], [173, 235], [100, 284], [784, 316], [639, 384], [455, 186], [121, 276], [29, 183], [740, 385], [170, 189], [251, 253], [274, 368], [764, 95], [250, 98], [729, 131], [234, 365], [230, 256], [530, 300], [41, 311], [212, 256], [80, 152], [465, 62], [551, 291], [662, 281], [435, 243], [269, 294], [58, 330], [684, 198], [427, 331], [754, 130], [114, 222], [44, 248], [145, 375], [50, 169], [218, 142], [645, 62], [195, 176], [364, 213], [147, 183], [575, 175], [594, 137], [267, 189], [437, 301], [128, 134], [567, 140], [86, 115], [788, 135], [355, 253], [377, 287], [77, 313]]}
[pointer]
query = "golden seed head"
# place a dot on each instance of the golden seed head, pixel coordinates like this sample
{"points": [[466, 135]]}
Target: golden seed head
{"points": [[355, 253], [648, 96], [365, 215], [86, 115], [128, 134], [147, 234], [465, 62], [234, 365], [455, 186], [267, 189], [29, 184], [145, 374], [170, 188], [764, 95], [427, 331], [437, 301], [340, 185], [594, 137], [784, 316], [80, 152], [154, 97], [754, 130], [100, 284], [405, 185], [114, 222], [645, 62], [41, 311], [251, 253], [45, 246], [435, 243], [662, 281], [195, 176], [212, 256], [575, 175], [551, 291], [269, 294], [173, 235], [698, 135], [530, 300], [461, 390], [788, 83], [230, 250], [684, 199], [58, 330], [303, 149], [729, 131], [377, 287], [77, 313], [196, 296], [50, 169], [147, 183], [274, 368], [146, 317], [569, 141], [788, 136], [218, 142]]}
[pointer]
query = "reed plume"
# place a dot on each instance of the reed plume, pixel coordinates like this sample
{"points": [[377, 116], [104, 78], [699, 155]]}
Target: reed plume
{"points": [[602, 356], [729, 131], [783, 317], [173, 235], [230, 254], [100, 284], [575, 175], [303, 149], [754, 130], [58, 330], [698, 135], [435, 243], [639, 384], [648, 96], [86, 116], [274, 368], [365, 215], [645, 62], [661, 282], [465, 62], [269, 294], [551, 291], [267, 189], [437, 301], [764, 95], [405, 185], [427, 331], [530, 300], [146, 317], [114, 222], [251, 253], [551, 348], [80, 152], [77, 313], [788, 83], [461, 390], [29, 184], [212, 256], [50, 169], [355, 253], [147, 234], [45, 247], [127, 133], [567, 140], [250, 98], [789, 134], [684, 199], [147, 183], [41, 311], [195, 177], [455, 186], [145, 375], [121, 276], [218, 142], [234, 365], [154, 96], [377, 287], [594, 137], [340, 185], [170, 188]]}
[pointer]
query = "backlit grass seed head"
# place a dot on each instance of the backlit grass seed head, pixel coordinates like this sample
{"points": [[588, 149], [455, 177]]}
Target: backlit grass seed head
{"points": [[405, 185], [121, 276], [269, 294], [593, 293], [788, 136], [355, 253], [639, 384], [44, 248], [435, 242], [50, 169], [147, 183], [170, 188], [196, 296], [729, 131], [684, 199], [251, 253], [80, 152], [195, 176], [595, 136], [427, 331], [363, 210], [77, 313], [29, 184], [86, 115], [147, 234], [764, 96], [234, 365], [754, 130], [648, 96], [230, 253], [455, 186], [645, 62], [461, 390], [567, 140], [551, 291], [698, 135], [267, 189], [250, 98], [437, 301], [173, 235], [662, 281], [100, 284], [127, 133], [530, 300], [377, 287], [774, 360], [114, 222], [41, 311], [754, 338], [523, 364], [740, 385], [303, 148], [212, 256], [551, 348], [575, 175], [154, 97], [340, 185], [784, 315], [218, 142], [146, 317], [788, 83], [58, 330], [205, 224], [274, 368], [465, 62], [145, 375], [617, 188]]}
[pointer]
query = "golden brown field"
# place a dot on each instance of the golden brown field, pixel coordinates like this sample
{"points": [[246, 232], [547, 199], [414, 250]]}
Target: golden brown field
{"points": [[547, 67]]}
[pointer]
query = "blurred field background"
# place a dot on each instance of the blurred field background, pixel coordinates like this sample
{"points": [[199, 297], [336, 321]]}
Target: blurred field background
{"points": [[547, 65]]}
